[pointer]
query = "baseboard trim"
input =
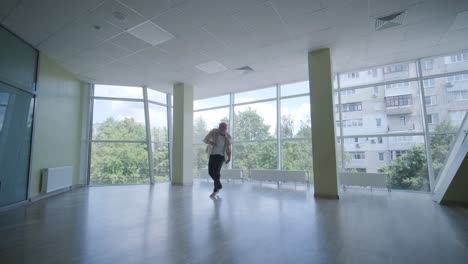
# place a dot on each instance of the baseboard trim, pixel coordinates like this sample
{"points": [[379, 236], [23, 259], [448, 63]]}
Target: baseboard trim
{"points": [[12, 206], [79, 186], [47, 195], [182, 184], [326, 196]]}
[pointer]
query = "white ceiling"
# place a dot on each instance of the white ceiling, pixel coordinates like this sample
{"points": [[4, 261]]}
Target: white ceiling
{"points": [[273, 37]]}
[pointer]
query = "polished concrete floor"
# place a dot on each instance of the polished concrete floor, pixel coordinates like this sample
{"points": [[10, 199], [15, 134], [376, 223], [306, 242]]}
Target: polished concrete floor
{"points": [[248, 223]]}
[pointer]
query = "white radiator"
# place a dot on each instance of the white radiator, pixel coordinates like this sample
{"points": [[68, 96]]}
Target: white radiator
{"points": [[54, 179], [279, 175], [231, 174]]}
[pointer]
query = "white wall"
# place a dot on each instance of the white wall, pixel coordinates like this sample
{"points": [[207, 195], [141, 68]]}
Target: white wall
{"points": [[57, 122]]}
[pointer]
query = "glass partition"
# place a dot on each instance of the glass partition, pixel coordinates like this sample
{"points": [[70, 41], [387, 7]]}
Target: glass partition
{"points": [[16, 112]]}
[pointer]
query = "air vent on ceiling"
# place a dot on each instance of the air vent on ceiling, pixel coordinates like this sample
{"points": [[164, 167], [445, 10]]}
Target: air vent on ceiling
{"points": [[245, 69], [388, 21]]}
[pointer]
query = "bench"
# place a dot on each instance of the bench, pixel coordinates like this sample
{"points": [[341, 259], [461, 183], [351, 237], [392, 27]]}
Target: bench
{"points": [[296, 176], [373, 180], [229, 174]]}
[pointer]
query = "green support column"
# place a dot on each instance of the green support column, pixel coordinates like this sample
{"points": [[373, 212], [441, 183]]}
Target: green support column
{"points": [[182, 135], [323, 133]]}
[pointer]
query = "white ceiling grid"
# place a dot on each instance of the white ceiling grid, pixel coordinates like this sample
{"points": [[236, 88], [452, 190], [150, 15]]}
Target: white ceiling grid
{"points": [[271, 36]]}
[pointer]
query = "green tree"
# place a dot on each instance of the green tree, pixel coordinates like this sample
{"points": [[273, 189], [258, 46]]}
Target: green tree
{"points": [[160, 149], [408, 171], [296, 154], [200, 157], [261, 154], [441, 140], [287, 127], [249, 125], [119, 163]]}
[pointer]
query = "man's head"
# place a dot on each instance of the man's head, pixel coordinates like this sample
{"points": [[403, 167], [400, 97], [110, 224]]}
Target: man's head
{"points": [[222, 128]]}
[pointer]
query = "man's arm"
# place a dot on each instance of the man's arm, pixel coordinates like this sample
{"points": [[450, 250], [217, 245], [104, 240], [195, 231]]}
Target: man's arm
{"points": [[209, 138]]}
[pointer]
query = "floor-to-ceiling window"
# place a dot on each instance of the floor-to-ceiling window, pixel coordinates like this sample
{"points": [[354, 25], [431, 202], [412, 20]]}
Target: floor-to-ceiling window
{"points": [[255, 144], [389, 118], [445, 82], [130, 142], [208, 113], [270, 127], [295, 127]]}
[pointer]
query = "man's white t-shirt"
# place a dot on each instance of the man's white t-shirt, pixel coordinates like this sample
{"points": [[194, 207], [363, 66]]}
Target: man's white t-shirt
{"points": [[218, 149]]}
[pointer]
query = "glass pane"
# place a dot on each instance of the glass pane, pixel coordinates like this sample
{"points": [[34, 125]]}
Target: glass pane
{"points": [[15, 140], [119, 163], [255, 95], [295, 117], [402, 160], [161, 162], [200, 158], [19, 60], [118, 120], [440, 147], [118, 91], [443, 64], [297, 155], [158, 122], [381, 109], [446, 103], [156, 96], [255, 155], [204, 121], [385, 73], [255, 121], [295, 88], [211, 102]]}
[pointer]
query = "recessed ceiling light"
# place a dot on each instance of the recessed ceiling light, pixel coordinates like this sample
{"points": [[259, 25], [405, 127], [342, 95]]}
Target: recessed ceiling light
{"points": [[119, 16], [211, 67], [150, 33]]}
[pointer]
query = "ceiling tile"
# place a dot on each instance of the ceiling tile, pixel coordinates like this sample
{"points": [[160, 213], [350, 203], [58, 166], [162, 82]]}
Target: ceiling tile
{"points": [[119, 15], [130, 42], [6, 6], [232, 33], [426, 33], [385, 42], [87, 60], [27, 19], [148, 8], [139, 61], [78, 36], [199, 40], [191, 15], [264, 22], [382, 7], [460, 22], [155, 54], [36, 20], [111, 50], [27, 32]]}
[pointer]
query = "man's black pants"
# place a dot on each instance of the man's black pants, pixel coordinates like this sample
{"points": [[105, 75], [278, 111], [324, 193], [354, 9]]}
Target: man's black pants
{"points": [[214, 170]]}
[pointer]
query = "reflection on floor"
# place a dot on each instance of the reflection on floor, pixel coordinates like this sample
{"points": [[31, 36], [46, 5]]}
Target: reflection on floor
{"points": [[247, 223]]}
